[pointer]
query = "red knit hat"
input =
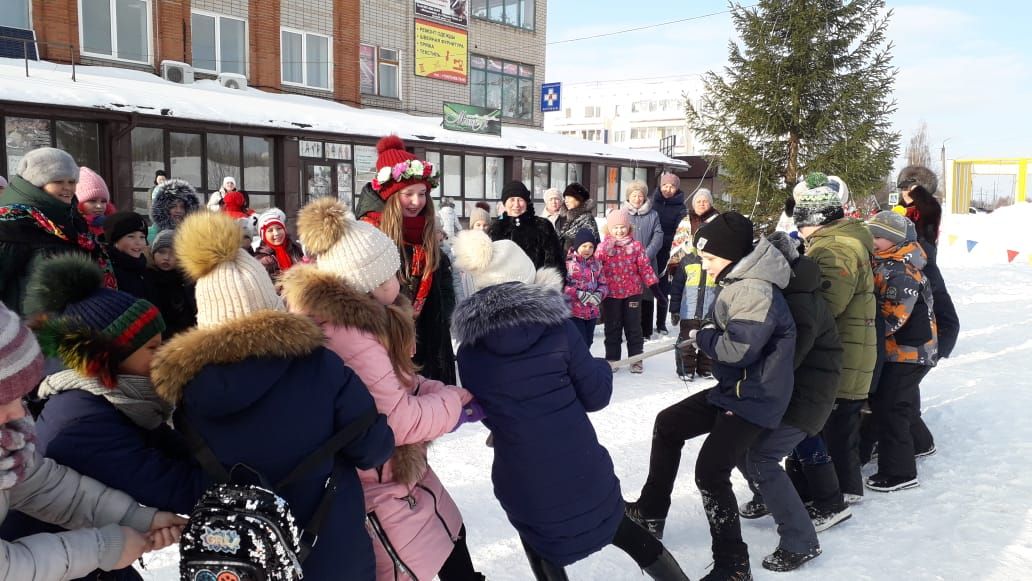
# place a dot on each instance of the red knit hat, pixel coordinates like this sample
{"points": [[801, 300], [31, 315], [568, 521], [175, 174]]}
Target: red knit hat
{"points": [[397, 169]]}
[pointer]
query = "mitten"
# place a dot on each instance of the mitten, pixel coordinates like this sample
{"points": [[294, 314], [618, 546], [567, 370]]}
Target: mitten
{"points": [[583, 296], [471, 413], [675, 319], [594, 299]]}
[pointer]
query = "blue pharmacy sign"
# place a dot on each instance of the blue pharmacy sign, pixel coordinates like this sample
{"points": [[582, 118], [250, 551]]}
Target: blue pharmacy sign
{"points": [[551, 99]]}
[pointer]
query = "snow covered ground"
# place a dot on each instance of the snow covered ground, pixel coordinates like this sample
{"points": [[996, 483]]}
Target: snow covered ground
{"points": [[969, 519]]}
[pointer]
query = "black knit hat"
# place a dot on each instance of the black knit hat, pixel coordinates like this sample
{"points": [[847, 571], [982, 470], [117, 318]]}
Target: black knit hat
{"points": [[583, 235], [729, 235], [516, 189], [120, 224], [578, 191]]}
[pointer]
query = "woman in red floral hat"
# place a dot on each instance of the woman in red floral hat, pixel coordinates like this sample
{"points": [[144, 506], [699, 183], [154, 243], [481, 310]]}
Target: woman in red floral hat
{"points": [[398, 202]]}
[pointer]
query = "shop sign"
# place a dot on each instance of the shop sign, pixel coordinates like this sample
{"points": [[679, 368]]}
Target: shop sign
{"points": [[472, 119], [441, 52]]}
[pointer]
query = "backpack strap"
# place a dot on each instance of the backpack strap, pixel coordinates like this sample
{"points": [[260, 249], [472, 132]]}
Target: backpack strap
{"points": [[199, 449]]}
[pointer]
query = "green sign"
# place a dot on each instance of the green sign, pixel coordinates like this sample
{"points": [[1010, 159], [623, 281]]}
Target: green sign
{"points": [[472, 119]]}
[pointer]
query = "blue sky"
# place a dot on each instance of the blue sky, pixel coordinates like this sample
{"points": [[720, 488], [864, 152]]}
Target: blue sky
{"points": [[965, 68]]}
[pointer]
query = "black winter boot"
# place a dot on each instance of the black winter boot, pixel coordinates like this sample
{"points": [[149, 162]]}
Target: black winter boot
{"points": [[782, 560], [735, 572], [666, 569], [544, 570], [653, 525], [829, 507]]}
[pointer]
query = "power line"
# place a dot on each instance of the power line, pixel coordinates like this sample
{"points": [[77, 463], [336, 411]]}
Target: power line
{"points": [[636, 29]]}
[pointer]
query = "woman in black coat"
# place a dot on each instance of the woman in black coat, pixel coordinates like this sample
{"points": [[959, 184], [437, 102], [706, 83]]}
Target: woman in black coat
{"points": [[534, 235]]}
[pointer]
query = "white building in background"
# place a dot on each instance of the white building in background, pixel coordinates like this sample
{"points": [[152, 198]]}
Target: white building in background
{"points": [[636, 114]]}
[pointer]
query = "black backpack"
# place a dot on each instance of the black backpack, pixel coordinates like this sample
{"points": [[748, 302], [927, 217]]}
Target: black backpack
{"points": [[241, 529]]}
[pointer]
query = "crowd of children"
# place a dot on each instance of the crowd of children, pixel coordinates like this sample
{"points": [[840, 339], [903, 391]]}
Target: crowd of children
{"points": [[350, 326]]}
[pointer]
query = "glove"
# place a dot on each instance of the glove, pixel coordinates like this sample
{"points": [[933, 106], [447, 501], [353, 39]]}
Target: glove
{"points": [[675, 319], [583, 297], [471, 413], [594, 299]]}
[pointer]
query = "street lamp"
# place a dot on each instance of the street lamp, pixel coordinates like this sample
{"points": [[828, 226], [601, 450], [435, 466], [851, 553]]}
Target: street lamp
{"points": [[943, 153]]}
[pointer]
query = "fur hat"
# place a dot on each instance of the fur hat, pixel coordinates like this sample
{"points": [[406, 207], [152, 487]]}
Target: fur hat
{"points": [[91, 187], [355, 251], [577, 191], [490, 263], [92, 329], [516, 189], [479, 215], [551, 193], [818, 204], [917, 175], [21, 362], [162, 240], [231, 284], [120, 224], [47, 164], [397, 169], [670, 178], [270, 217], [636, 186], [893, 227], [728, 235], [166, 195], [788, 245]]}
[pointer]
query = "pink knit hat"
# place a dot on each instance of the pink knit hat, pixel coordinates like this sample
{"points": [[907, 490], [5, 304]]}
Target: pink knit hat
{"points": [[21, 363], [618, 217], [91, 187]]}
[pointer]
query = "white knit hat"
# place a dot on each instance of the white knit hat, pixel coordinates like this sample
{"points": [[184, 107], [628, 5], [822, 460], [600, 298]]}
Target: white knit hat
{"points": [[491, 263], [230, 283], [271, 215], [357, 252]]}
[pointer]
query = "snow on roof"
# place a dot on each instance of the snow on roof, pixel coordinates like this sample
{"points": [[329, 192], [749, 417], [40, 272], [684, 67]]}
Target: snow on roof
{"points": [[127, 90]]}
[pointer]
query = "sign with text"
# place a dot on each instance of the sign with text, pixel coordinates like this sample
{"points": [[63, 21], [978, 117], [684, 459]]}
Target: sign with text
{"points": [[551, 97], [450, 11], [441, 52], [472, 119]]}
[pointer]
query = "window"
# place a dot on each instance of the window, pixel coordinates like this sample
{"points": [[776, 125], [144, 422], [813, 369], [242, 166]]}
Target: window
{"points": [[148, 156], [592, 111], [118, 29], [504, 85], [23, 134], [379, 70], [305, 59], [16, 14], [219, 43], [185, 157], [79, 138], [518, 13], [258, 163], [223, 159], [452, 173]]}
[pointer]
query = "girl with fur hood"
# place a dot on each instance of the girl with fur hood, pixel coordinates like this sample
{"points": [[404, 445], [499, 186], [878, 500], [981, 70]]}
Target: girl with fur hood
{"points": [[277, 252], [41, 488], [260, 388], [398, 203], [526, 364], [578, 214], [173, 200], [352, 292]]}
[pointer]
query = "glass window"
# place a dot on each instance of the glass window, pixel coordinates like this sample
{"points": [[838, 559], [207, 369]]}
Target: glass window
{"points": [[16, 14], [387, 73], [202, 33], [540, 179], [318, 181], [22, 135], [600, 184], [477, 87], [367, 68], [291, 49], [558, 176], [232, 45], [148, 155], [518, 13], [95, 19], [257, 164], [474, 174], [434, 158], [365, 165], [132, 33], [528, 174], [494, 175], [452, 176], [223, 159], [510, 95], [626, 177], [185, 157], [317, 59], [573, 174], [480, 8], [504, 85], [79, 138], [641, 174]]}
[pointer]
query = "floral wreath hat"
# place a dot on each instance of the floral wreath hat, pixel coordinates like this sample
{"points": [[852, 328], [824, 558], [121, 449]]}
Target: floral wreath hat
{"points": [[408, 170]]}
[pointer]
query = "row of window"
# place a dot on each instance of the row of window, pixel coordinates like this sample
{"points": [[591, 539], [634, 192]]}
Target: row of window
{"points": [[518, 13], [665, 105], [23, 134]]}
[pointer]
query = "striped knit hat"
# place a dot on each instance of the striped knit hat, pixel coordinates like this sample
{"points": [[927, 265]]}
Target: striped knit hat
{"points": [[21, 363], [90, 328]]}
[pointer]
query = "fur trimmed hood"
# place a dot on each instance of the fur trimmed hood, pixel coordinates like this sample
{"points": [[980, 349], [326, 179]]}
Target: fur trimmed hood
{"points": [[265, 334], [645, 208], [167, 194], [507, 306]]}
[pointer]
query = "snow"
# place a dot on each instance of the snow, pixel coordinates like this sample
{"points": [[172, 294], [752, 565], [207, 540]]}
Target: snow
{"points": [[125, 90], [969, 519]]}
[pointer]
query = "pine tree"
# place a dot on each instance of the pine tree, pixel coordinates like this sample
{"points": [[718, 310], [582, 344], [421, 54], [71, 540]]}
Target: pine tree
{"points": [[808, 89]]}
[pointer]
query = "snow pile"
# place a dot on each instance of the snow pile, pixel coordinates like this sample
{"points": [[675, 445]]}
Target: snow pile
{"points": [[993, 234]]}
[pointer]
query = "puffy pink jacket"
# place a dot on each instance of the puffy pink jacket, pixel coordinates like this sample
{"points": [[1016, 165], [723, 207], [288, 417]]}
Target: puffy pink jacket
{"points": [[625, 266]]}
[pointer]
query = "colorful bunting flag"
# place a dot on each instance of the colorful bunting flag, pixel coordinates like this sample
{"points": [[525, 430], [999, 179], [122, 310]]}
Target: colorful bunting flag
{"points": [[1011, 254], [971, 245], [952, 238]]}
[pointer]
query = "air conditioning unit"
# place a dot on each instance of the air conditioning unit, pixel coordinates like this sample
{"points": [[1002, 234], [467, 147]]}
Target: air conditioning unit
{"points": [[233, 81], [177, 72]]}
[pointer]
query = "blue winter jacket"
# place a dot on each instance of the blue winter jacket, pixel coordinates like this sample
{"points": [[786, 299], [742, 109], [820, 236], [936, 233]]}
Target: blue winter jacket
{"points": [[530, 370], [753, 344], [263, 391]]}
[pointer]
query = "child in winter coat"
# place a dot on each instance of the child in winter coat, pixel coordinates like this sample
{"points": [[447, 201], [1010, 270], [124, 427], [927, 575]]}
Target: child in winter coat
{"points": [[173, 200], [752, 343], [527, 365], [125, 234], [628, 273], [277, 252], [911, 347], [691, 297], [44, 489], [172, 293], [585, 284], [94, 200], [352, 291], [259, 387], [479, 219]]}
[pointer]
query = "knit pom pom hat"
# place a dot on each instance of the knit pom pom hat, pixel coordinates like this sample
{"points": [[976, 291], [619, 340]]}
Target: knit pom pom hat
{"points": [[355, 251], [818, 204], [490, 263], [397, 169], [231, 284], [91, 187], [92, 329], [21, 362]]}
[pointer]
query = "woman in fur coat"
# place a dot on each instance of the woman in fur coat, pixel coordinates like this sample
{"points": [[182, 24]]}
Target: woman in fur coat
{"points": [[352, 291], [578, 214], [261, 389], [529, 368]]}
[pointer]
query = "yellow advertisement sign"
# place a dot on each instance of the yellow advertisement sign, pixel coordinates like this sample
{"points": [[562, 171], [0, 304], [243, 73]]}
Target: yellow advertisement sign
{"points": [[441, 52]]}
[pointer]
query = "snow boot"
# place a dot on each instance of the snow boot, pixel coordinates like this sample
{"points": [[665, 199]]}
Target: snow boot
{"points": [[637, 367], [885, 483], [782, 560], [824, 519], [665, 568], [545, 570], [753, 509], [735, 572], [653, 525], [925, 453], [828, 507]]}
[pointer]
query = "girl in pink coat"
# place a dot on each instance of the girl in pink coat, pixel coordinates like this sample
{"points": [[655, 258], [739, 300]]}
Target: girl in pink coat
{"points": [[352, 291]]}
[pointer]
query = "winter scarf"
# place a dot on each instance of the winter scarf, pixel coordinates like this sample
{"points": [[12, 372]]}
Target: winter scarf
{"points": [[282, 256], [17, 450], [135, 396]]}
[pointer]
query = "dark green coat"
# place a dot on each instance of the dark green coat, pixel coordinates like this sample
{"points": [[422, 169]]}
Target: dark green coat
{"points": [[843, 251]]}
